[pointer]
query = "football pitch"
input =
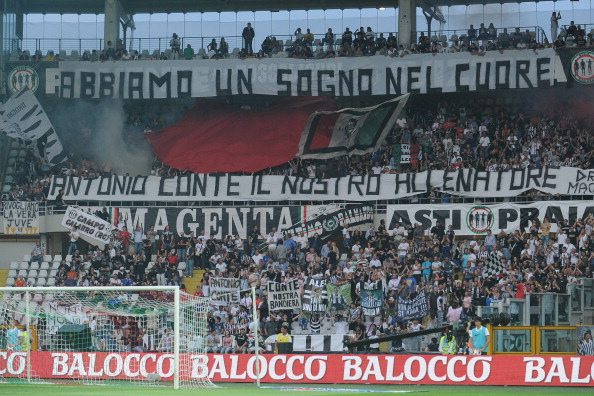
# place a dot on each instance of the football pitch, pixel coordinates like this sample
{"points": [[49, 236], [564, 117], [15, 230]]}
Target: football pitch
{"points": [[286, 389]]}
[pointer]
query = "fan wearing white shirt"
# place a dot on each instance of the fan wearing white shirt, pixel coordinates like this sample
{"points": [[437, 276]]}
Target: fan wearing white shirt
{"points": [[403, 250]]}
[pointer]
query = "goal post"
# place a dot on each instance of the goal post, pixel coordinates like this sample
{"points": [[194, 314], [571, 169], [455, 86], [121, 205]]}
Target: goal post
{"points": [[140, 334]]}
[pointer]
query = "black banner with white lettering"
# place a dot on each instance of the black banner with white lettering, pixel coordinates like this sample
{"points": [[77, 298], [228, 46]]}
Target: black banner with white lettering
{"points": [[216, 222], [326, 224], [416, 307], [469, 219]]}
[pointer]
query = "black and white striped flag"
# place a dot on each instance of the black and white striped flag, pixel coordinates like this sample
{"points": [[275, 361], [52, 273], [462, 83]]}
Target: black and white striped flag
{"points": [[22, 117]]}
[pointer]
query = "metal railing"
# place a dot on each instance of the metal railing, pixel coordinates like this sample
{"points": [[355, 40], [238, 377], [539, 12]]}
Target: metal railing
{"points": [[156, 45], [438, 35]]}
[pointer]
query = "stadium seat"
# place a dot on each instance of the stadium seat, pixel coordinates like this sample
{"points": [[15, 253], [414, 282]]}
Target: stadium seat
{"points": [[44, 266], [168, 54], [24, 265], [145, 54], [52, 274], [14, 265], [58, 257], [10, 282], [32, 273], [55, 265], [68, 258], [31, 281], [51, 282], [338, 42], [22, 273], [41, 282], [156, 54], [34, 266], [74, 55], [42, 273], [47, 257], [12, 273], [27, 257]]}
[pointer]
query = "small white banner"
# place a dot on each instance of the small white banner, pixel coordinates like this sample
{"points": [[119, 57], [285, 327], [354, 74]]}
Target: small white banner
{"points": [[282, 296], [90, 227], [20, 218]]}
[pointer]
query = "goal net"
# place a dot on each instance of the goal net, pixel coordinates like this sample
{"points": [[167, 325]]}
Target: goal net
{"points": [[139, 335]]}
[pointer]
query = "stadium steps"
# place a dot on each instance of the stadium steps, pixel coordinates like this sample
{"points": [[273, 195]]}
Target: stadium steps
{"points": [[193, 282], [3, 277]]}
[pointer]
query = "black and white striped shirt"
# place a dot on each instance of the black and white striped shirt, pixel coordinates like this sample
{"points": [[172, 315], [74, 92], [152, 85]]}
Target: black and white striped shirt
{"points": [[586, 348]]}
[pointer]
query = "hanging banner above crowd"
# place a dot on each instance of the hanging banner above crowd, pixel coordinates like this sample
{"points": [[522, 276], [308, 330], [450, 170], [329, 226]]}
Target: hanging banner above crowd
{"points": [[327, 223], [315, 296], [372, 298], [283, 296], [414, 308], [353, 76], [91, 228], [218, 222], [228, 187], [307, 127], [20, 218], [224, 291], [339, 296], [22, 117], [472, 219]]}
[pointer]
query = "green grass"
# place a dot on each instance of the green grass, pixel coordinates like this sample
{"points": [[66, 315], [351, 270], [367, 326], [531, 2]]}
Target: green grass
{"points": [[124, 389]]}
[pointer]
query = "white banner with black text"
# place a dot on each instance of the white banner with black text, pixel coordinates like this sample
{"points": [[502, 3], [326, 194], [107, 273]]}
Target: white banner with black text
{"points": [[90, 227], [228, 187], [20, 218], [282, 296], [359, 76]]}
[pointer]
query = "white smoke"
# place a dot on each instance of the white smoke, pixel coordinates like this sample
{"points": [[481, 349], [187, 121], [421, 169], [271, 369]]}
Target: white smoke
{"points": [[110, 145], [97, 131]]}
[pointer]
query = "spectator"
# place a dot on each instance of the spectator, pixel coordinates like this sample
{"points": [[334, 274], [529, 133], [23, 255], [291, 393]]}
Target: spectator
{"points": [[223, 48], [471, 34], [188, 52], [175, 45], [555, 17], [328, 39], [248, 38]]}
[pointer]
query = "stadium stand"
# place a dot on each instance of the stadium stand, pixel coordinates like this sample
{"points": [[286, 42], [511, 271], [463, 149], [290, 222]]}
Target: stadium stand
{"points": [[377, 279]]}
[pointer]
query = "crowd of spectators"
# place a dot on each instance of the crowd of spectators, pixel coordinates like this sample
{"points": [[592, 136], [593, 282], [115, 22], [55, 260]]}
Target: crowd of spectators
{"points": [[402, 261], [447, 136], [360, 42]]}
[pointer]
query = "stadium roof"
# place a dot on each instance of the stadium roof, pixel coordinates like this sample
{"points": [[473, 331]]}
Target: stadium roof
{"points": [[172, 6]]}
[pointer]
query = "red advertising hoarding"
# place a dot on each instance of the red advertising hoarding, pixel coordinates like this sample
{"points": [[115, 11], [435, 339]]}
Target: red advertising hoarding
{"points": [[310, 368]]}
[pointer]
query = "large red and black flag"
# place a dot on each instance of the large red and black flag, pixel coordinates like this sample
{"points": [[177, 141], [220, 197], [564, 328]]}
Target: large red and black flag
{"points": [[216, 137]]}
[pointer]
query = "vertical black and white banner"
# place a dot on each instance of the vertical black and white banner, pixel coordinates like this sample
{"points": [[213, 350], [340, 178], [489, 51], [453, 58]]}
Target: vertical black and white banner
{"points": [[22, 117], [372, 298], [315, 296]]}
